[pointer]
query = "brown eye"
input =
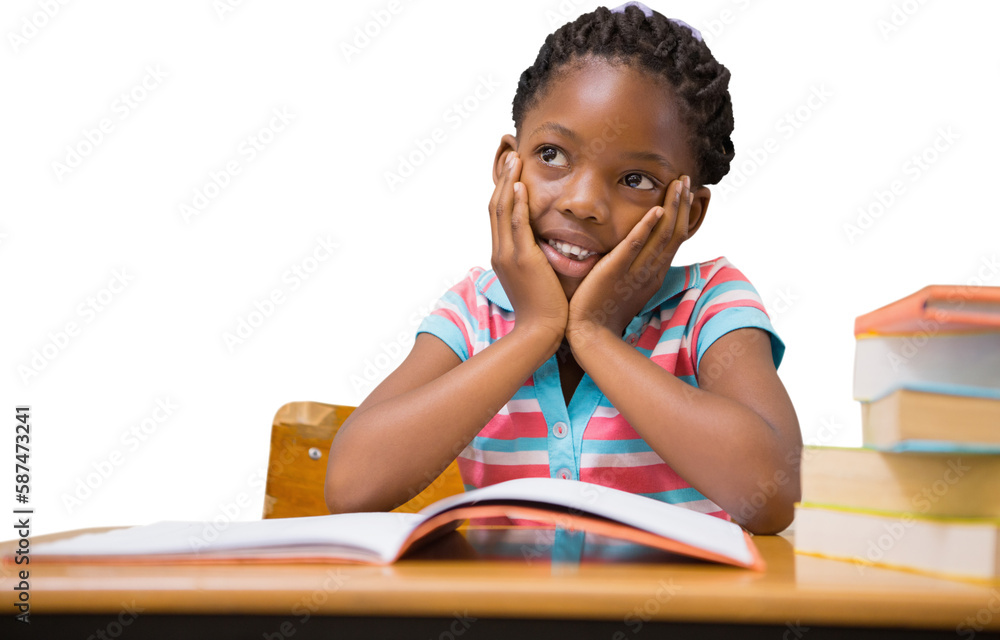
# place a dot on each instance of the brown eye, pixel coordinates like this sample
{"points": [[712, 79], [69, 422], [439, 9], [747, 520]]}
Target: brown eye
{"points": [[638, 181], [553, 156]]}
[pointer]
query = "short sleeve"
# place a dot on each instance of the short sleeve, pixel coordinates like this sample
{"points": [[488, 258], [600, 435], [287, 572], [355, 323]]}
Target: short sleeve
{"points": [[729, 302], [454, 316], [734, 318]]}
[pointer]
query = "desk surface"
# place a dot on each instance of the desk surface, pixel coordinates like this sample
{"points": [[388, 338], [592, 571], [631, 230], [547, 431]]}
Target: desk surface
{"points": [[452, 576]]}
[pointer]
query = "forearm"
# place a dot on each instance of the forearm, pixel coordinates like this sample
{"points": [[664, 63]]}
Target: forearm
{"points": [[721, 447], [387, 453]]}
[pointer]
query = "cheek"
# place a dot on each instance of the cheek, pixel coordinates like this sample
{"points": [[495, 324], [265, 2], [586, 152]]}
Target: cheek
{"points": [[541, 194]]}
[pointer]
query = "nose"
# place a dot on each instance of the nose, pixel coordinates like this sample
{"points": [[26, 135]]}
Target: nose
{"points": [[584, 195]]}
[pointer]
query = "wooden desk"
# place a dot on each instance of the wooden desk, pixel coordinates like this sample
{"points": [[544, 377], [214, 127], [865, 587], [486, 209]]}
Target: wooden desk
{"points": [[449, 590]]}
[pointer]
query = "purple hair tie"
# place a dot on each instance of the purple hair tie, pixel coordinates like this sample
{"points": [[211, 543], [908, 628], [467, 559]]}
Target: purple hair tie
{"points": [[646, 11]]}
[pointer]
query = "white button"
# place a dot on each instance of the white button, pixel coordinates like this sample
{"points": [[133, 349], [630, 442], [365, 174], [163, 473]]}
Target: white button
{"points": [[560, 429], [564, 474], [632, 339]]}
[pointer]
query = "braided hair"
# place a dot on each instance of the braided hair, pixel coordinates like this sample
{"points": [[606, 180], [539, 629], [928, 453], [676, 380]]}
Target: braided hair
{"points": [[658, 46]]}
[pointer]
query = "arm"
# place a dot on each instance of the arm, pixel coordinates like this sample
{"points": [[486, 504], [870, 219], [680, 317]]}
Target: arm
{"points": [[735, 438], [421, 417]]}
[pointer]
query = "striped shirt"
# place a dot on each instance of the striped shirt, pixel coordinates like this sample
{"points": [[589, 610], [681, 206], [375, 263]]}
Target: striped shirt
{"points": [[537, 435]]}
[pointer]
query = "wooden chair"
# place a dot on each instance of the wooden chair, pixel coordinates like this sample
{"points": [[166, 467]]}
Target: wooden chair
{"points": [[296, 472]]}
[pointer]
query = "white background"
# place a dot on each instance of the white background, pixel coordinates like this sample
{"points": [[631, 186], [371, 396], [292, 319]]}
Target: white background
{"points": [[781, 216]]}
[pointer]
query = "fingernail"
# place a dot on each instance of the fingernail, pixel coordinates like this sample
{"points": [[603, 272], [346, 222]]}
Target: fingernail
{"points": [[510, 159], [517, 188], [687, 182]]}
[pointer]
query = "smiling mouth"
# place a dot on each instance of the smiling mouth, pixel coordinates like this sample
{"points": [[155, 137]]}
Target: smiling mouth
{"points": [[571, 251]]}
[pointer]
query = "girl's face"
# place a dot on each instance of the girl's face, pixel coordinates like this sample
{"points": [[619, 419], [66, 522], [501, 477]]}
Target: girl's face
{"points": [[598, 151]]}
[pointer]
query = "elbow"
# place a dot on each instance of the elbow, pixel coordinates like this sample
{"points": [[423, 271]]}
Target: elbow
{"points": [[345, 492], [332, 494], [340, 495], [770, 521], [771, 509]]}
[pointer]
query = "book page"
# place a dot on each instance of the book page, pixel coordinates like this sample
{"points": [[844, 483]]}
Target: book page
{"points": [[376, 536], [667, 520]]}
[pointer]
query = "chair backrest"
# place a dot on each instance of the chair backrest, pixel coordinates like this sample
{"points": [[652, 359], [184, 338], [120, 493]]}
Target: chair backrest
{"points": [[296, 472]]}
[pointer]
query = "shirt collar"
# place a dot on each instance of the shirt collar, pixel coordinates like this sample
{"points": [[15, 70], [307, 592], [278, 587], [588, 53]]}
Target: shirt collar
{"points": [[677, 280]]}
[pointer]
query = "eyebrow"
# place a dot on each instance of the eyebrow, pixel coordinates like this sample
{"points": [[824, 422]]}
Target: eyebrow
{"points": [[638, 156], [555, 127]]}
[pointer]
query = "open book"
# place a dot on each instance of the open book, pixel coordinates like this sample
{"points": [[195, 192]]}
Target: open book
{"points": [[381, 538]]}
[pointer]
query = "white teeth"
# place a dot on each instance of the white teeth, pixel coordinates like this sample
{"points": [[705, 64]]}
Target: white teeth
{"points": [[570, 250]]}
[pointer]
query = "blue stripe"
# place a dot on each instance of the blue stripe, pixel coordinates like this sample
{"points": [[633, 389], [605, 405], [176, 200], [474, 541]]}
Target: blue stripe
{"points": [[732, 318], [447, 332], [708, 295], [517, 444], [616, 446], [676, 496], [524, 392]]}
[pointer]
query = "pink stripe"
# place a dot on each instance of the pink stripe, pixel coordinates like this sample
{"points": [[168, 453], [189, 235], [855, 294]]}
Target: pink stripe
{"points": [[527, 425], [616, 428], [646, 479], [478, 474], [499, 327], [456, 320], [681, 315]]}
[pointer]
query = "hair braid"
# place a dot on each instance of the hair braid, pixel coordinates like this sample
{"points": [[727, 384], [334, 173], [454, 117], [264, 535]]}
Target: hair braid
{"points": [[656, 45]]}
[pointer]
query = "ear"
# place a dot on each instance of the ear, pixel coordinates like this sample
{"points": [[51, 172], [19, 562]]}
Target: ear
{"points": [[699, 207], [508, 143]]}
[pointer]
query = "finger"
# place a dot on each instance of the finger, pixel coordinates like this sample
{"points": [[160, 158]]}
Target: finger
{"points": [[630, 247], [497, 208], [524, 238], [661, 248], [503, 210], [683, 220]]}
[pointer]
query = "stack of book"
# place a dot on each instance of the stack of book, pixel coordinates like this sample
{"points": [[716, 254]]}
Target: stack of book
{"points": [[923, 492]]}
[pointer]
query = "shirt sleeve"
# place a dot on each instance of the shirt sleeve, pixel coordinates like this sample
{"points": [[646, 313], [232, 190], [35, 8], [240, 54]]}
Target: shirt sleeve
{"points": [[729, 302], [454, 316]]}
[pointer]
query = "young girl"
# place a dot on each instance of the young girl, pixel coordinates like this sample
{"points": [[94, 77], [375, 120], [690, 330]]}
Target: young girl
{"points": [[585, 353]]}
